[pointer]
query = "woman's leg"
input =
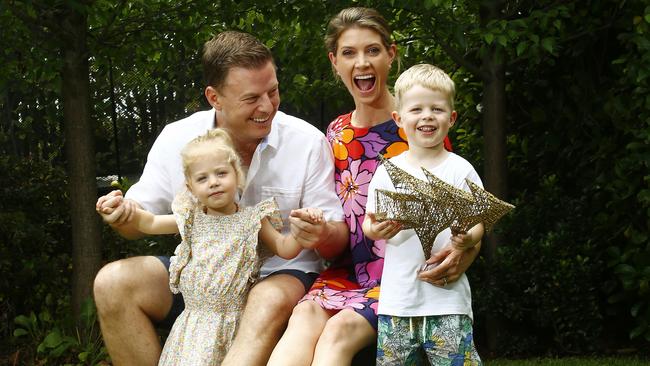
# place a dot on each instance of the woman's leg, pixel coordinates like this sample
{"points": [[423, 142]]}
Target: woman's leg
{"points": [[345, 334], [296, 347]]}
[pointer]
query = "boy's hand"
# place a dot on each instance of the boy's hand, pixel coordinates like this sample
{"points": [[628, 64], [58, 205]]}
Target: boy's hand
{"points": [[114, 209], [385, 229], [308, 227]]}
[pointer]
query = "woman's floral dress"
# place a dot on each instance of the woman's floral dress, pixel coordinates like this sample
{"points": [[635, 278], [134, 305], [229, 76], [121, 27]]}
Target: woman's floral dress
{"points": [[352, 282]]}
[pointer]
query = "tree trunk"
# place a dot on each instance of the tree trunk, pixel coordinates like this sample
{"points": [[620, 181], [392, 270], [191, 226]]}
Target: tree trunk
{"points": [[80, 156], [495, 173]]}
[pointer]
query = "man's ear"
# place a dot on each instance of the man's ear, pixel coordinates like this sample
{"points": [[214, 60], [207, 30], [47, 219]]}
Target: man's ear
{"points": [[213, 97]]}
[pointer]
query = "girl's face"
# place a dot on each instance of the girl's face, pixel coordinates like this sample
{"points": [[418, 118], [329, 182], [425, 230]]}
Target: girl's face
{"points": [[213, 181], [363, 62], [425, 116]]}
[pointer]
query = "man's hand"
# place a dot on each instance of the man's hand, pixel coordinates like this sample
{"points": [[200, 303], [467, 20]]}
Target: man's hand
{"points": [[114, 209], [308, 227]]}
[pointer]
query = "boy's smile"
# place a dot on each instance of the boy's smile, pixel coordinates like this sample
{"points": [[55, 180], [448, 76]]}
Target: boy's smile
{"points": [[426, 116]]}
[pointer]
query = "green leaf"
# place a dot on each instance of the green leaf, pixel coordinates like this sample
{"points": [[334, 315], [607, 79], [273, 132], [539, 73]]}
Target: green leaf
{"points": [[18, 332], [548, 43], [489, 38], [521, 48], [53, 339]]}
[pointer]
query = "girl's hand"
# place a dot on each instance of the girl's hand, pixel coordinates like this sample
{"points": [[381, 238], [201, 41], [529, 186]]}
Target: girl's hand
{"points": [[308, 227]]}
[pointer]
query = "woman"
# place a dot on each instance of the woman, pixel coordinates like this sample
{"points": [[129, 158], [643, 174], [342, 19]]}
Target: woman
{"points": [[338, 316]]}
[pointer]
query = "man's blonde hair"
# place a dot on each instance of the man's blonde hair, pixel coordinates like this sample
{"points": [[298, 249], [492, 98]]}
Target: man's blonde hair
{"points": [[425, 75], [213, 142]]}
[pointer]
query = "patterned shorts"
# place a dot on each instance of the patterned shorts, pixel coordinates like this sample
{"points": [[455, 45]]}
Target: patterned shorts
{"points": [[443, 340]]}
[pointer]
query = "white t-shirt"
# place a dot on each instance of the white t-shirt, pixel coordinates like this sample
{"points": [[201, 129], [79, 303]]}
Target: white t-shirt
{"points": [[294, 164], [402, 294]]}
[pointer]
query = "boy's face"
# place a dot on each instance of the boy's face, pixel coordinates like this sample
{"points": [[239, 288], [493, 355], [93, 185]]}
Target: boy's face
{"points": [[425, 116], [247, 102]]}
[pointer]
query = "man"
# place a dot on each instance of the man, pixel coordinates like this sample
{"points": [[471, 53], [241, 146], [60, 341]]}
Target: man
{"points": [[285, 157]]}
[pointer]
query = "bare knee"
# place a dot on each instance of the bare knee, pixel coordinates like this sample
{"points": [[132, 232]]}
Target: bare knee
{"points": [[273, 301], [342, 326], [134, 282]]}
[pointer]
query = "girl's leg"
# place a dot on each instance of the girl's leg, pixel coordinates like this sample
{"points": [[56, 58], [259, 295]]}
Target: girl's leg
{"points": [[345, 334], [296, 347]]}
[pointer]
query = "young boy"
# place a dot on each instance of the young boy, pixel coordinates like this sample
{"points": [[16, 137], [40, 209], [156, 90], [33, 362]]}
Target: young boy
{"points": [[414, 314]]}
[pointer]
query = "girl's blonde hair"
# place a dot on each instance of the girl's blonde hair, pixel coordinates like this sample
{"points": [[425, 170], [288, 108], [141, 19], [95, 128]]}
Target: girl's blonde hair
{"points": [[357, 17], [211, 143], [428, 76]]}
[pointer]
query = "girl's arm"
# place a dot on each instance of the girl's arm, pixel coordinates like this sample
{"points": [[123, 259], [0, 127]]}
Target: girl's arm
{"points": [[285, 246], [149, 223]]}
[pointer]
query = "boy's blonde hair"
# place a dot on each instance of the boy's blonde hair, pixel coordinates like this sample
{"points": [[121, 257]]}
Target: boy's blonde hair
{"points": [[208, 145], [428, 76]]}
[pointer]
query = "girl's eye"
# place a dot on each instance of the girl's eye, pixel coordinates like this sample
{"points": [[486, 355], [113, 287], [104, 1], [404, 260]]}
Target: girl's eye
{"points": [[347, 52]]}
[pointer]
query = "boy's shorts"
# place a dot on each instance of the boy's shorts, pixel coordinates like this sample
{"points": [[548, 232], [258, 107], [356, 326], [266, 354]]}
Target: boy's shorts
{"points": [[307, 279], [445, 339]]}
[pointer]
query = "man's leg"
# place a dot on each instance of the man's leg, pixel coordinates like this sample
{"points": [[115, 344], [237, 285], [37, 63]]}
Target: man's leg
{"points": [[345, 334], [267, 311], [297, 345], [130, 295]]}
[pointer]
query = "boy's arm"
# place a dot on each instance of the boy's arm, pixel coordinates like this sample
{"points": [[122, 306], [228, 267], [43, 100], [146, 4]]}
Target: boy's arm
{"points": [[285, 246], [148, 223], [376, 230], [464, 241]]}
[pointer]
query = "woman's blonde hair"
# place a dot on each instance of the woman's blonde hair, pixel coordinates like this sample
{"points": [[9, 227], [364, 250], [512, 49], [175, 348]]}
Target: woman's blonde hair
{"points": [[209, 144], [357, 17]]}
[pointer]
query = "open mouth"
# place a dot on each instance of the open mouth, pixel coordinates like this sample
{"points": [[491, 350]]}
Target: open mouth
{"points": [[365, 82], [260, 120], [427, 128]]}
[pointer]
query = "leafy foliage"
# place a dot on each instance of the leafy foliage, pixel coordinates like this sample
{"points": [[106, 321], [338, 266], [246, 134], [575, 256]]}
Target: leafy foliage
{"points": [[573, 265]]}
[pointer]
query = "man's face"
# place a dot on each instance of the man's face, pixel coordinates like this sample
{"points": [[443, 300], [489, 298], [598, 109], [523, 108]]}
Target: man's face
{"points": [[247, 102]]}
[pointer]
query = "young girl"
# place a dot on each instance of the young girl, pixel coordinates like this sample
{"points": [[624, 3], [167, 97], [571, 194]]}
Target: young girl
{"points": [[413, 314], [219, 257]]}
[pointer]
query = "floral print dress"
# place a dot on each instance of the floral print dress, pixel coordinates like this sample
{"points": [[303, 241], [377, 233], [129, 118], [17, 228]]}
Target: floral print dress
{"points": [[352, 282]]}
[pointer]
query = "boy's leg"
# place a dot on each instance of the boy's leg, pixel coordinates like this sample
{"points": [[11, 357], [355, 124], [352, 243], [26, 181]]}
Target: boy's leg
{"points": [[265, 316], [397, 342], [130, 295], [449, 340], [296, 347]]}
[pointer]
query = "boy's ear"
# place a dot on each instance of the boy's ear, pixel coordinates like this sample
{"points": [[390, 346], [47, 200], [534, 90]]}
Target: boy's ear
{"points": [[396, 118], [452, 118]]}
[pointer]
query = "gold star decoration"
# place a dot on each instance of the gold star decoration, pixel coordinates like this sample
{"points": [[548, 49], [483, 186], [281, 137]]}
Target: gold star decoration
{"points": [[431, 206]]}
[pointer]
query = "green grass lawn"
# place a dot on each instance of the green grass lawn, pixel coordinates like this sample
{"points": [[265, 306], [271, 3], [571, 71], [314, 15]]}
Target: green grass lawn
{"points": [[577, 361]]}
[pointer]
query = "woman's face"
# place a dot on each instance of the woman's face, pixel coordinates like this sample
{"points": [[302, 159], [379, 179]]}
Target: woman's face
{"points": [[363, 62]]}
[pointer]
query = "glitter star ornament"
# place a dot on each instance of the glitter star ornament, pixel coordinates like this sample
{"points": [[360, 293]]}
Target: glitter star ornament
{"points": [[433, 205]]}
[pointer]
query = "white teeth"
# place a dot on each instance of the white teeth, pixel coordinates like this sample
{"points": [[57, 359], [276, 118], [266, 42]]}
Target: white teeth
{"points": [[363, 77], [259, 119], [427, 128]]}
